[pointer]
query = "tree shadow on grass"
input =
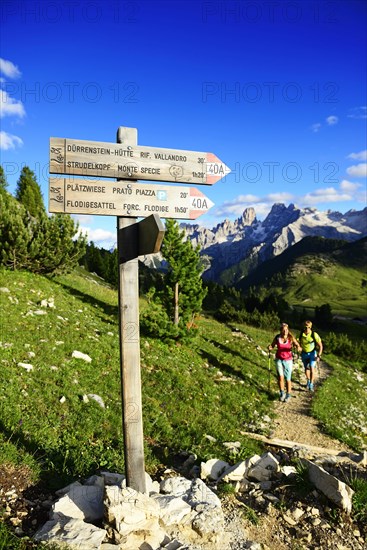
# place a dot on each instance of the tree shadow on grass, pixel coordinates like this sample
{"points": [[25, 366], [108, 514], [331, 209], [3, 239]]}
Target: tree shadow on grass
{"points": [[89, 299], [231, 371], [57, 467]]}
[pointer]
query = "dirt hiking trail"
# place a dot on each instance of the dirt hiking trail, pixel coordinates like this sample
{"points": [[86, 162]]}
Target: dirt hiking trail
{"points": [[294, 421]]}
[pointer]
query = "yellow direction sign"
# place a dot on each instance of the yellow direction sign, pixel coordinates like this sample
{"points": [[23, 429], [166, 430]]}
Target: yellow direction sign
{"points": [[125, 198], [115, 160]]}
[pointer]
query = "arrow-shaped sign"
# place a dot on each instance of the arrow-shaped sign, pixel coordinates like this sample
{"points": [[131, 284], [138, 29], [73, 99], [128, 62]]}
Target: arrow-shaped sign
{"points": [[125, 198], [114, 160]]}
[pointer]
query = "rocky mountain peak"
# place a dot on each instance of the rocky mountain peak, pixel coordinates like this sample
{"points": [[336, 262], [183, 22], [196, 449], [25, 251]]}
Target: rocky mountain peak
{"points": [[231, 243]]}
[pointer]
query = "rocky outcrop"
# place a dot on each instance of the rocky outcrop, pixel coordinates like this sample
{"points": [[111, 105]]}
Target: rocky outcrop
{"points": [[184, 512]]}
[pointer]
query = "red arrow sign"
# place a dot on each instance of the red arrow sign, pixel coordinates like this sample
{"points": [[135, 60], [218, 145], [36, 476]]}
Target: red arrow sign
{"points": [[125, 198], [136, 162]]}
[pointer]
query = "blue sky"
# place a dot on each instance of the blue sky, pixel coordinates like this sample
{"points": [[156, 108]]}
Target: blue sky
{"points": [[277, 90]]}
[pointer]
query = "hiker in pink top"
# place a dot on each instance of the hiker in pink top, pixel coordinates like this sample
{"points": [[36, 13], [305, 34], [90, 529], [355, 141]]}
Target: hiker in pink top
{"points": [[284, 342]]}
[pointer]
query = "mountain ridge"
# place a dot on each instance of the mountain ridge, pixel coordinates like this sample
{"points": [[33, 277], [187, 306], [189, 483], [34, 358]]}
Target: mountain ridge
{"points": [[231, 250]]}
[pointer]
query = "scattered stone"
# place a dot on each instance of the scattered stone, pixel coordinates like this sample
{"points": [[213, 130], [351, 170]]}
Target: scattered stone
{"points": [[212, 469], [337, 491], [26, 366], [79, 355], [71, 531], [97, 399], [264, 468], [50, 302]]}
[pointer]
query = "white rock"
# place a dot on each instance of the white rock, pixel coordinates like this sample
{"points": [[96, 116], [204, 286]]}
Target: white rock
{"points": [[336, 490], [84, 502], [288, 470], [236, 472], [128, 510], [39, 312], [80, 355], [210, 438], [177, 486], [150, 485], [26, 366], [48, 303], [212, 469], [232, 445], [173, 509], [209, 522], [264, 468], [199, 493], [4, 289], [96, 398], [72, 532]]}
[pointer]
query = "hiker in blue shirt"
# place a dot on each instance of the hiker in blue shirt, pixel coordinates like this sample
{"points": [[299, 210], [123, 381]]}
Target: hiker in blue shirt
{"points": [[311, 345]]}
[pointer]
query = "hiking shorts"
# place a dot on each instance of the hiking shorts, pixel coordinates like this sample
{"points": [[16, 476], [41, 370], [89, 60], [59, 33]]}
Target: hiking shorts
{"points": [[309, 359], [284, 368]]}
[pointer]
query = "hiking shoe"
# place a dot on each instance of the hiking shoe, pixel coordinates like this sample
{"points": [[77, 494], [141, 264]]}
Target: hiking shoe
{"points": [[310, 387], [308, 384], [287, 398], [282, 396]]}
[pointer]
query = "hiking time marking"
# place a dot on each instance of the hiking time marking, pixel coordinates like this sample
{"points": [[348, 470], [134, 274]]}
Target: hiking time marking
{"points": [[124, 198], [114, 160]]}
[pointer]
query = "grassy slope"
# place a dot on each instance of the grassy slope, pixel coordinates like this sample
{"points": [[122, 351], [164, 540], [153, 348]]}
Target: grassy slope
{"points": [[317, 271], [217, 386]]}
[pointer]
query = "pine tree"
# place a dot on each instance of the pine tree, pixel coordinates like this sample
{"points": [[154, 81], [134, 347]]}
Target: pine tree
{"points": [[53, 248], [14, 232], [31, 240], [3, 182], [28, 193], [183, 292]]}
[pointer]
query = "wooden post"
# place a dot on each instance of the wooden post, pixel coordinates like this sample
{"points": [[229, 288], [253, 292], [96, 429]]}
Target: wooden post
{"points": [[132, 418]]}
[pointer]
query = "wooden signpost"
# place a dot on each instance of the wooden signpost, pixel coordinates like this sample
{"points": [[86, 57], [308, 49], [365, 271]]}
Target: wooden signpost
{"points": [[126, 198], [130, 200], [111, 160]]}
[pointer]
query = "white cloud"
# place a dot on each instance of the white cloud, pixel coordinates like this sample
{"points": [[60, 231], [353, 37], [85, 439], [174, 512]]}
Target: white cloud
{"points": [[347, 191], [10, 106], [85, 219], [362, 155], [279, 197], [98, 235], [262, 205], [348, 186], [329, 194], [316, 127], [358, 170], [9, 141], [9, 69], [358, 112], [332, 120]]}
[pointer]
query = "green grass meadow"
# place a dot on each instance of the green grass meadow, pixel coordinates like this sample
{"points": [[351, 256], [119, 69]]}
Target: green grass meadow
{"points": [[219, 385]]}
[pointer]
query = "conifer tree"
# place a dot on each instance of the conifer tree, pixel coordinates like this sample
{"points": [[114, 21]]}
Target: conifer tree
{"points": [[14, 232], [53, 247], [31, 240], [183, 286], [28, 193], [3, 182]]}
